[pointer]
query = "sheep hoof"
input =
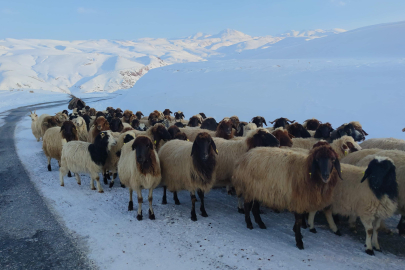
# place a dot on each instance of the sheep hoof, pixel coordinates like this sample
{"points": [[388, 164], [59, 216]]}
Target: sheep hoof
{"points": [[105, 180], [93, 188], [262, 225], [151, 216], [49, 167], [338, 233], [204, 214], [249, 226], [304, 225], [123, 186], [313, 230], [111, 184], [79, 184], [300, 245], [62, 185], [379, 250], [69, 174], [241, 210], [164, 201], [101, 191], [193, 217], [370, 252], [176, 202], [139, 217], [131, 206]]}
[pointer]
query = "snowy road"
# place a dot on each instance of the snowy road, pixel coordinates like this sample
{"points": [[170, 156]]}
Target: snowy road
{"points": [[112, 238]]}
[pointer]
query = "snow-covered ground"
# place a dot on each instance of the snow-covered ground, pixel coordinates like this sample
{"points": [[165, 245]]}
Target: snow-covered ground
{"points": [[109, 65], [116, 240]]}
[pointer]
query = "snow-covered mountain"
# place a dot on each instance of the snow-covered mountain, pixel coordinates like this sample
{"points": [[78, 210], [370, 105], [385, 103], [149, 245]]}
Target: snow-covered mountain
{"points": [[109, 65]]}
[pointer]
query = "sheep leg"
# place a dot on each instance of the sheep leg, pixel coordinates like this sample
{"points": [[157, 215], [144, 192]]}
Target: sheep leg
{"points": [[193, 200], [164, 199], [62, 172], [240, 205], [105, 177], [79, 182], [368, 225], [150, 199], [49, 164], [374, 239], [113, 179], [352, 223], [311, 222], [331, 222], [176, 199], [256, 215], [140, 200], [401, 225], [248, 208], [297, 230], [69, 174], [304, 221], [202, 207], [99, 188], [131, 202]]}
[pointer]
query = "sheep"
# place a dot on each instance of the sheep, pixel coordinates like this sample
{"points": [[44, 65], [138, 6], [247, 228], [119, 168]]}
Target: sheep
{"points": [[135, 124], [281, 122], [311, 124], [298, 131], [40, 120], [167, 112], [343, 146], [139, 168], [324, 131], [100, 124], [224, 129], [363, 157], [283, 179], [127, 116], [195, 121], [239, 129], [34, 119], [118, 115], [92, 112], [81, 126], [384, 143], [249, 127], [48, 122], [118, 110], [372, 203], [83, 157], [98, 114], [139, 115], [235, 121], [283, 137], [158, 134], [61, 117], [345, 129], [116, 125], [181, 136], [53, 137], [179, 116], [173, 130], [209, 123], [358, 128], [182, 171], [111, 162], [179, 124], [259, 121]]}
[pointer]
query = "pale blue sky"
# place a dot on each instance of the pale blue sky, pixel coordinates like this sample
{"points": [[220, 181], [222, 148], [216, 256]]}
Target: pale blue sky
{"points": [[132, 19]]}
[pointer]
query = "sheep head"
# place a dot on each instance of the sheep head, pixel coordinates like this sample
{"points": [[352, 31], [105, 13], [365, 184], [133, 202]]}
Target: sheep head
{"points": [[181, 136], [116, 125], [92, 112], [203, 115], [321, 161], [173, 130], [283, 137], [159, 133], [312, 124], [127, 116], [281, 122], [224, 129], [101, 124], [139, 115], [179, 115], [323, 131], [261, 138], [69, 131], [259, 121], [194, 121], [167, 112]]}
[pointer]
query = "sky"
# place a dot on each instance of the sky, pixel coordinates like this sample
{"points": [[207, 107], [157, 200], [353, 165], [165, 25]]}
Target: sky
{"points": [[133, 19]]}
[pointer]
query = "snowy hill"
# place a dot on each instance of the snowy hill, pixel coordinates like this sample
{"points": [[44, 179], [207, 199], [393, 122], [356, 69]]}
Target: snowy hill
{"points": [[338, 90], [109, 65]]}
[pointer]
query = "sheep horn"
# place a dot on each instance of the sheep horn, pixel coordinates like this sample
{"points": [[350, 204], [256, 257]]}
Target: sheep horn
{"points": [[273, 121], [365, 133]]}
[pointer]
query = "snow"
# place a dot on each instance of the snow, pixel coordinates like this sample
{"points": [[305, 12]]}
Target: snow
{"points": [[116, 240], [86, 66]]}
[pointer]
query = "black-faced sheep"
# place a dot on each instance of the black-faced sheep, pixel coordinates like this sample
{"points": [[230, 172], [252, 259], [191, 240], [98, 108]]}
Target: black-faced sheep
{"points": [[324, 131], [259, 121], [139, 115], [158, 134], [53, 137], [298, 131], [173, 130], [209, 123], [179, 124], [281, 122], [116, 125], [189, 166], [372, 203], [82, 157], [194, 121], [283, 179], [92, 112], [139, 168], [179, 116]]}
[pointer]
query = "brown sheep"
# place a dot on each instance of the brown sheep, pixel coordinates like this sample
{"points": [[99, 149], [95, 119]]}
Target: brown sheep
{"points": [[298, 131], [224, 129], [194, 121], [311, 124], [139, 115], [127, 116], [92, 112], [167, 112], [48, 122], [173, 130], [235, 121], [283, 137], [100, 124]]}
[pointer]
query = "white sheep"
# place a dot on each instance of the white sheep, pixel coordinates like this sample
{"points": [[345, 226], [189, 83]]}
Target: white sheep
{"points": [[38, 126], [81, 128], [372, 203], [139, 168], [189, 166], [83, 157], [34, 119], [384, 143]]}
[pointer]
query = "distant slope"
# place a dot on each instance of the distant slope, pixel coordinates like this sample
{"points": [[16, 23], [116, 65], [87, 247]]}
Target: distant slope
{"points": [[110, 65]]}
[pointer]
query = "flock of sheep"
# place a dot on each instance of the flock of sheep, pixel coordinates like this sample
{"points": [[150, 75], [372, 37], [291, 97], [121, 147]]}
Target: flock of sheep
{"points": [[300, 168]]}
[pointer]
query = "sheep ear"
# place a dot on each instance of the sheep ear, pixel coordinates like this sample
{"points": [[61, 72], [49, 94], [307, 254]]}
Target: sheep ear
{"points": [[365, 133], [214, 146], [337, 167], [272, 122], [366, 174], [264, 121]]}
